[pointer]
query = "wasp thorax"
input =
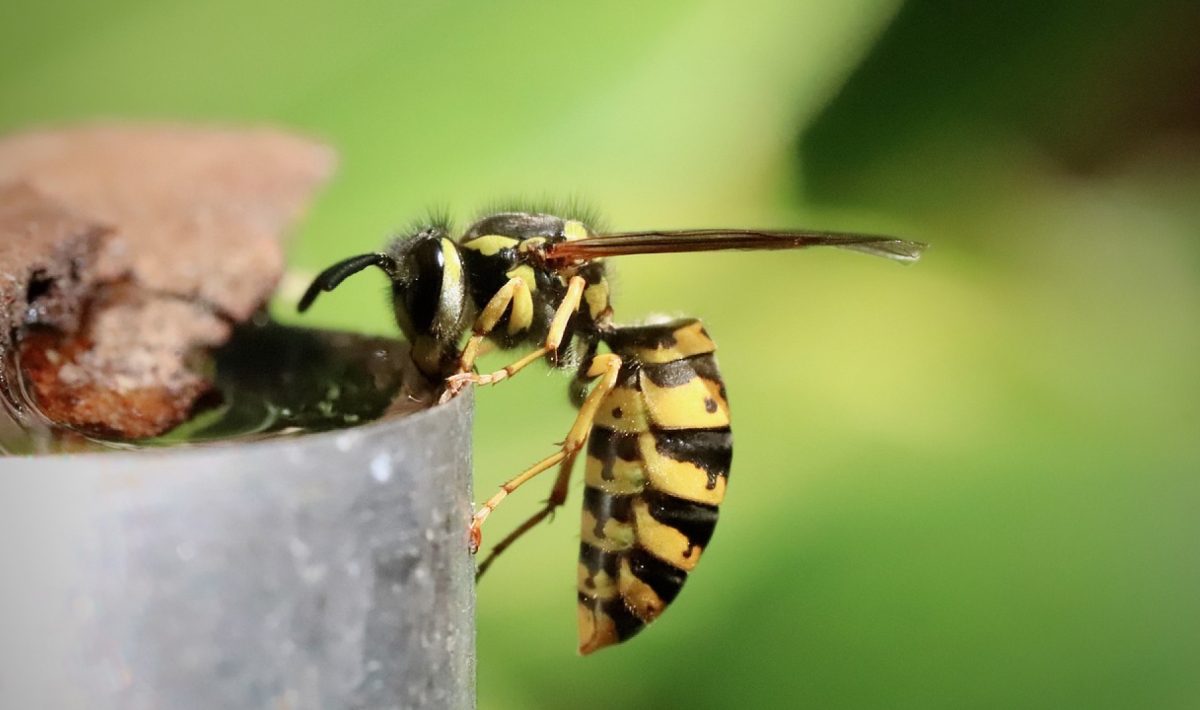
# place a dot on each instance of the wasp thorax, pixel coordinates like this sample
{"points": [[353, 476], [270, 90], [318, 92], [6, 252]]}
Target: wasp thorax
{"points": [[429, 294]]}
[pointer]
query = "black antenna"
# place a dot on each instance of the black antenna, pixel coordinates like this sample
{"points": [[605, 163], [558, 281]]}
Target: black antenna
{"points": [[329, 279]]}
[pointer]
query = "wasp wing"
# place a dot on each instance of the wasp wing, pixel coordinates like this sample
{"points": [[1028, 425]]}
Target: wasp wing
{"points": [[687, 240]]}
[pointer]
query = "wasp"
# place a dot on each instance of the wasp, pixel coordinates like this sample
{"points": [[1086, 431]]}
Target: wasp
{"points": [[652, 408]]}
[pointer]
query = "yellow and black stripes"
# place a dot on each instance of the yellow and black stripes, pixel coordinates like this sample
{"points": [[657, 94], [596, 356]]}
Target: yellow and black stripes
{"points": [[692, 464], [657, 465]]}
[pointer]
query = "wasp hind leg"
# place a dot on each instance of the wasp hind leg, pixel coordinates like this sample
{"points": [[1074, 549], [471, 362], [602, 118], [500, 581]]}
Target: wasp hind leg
{"points": [[606, 367], [558, 496], [511, 293]]}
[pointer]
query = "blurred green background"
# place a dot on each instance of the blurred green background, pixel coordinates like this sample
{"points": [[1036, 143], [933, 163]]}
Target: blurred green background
{"points": [[969, 483]]}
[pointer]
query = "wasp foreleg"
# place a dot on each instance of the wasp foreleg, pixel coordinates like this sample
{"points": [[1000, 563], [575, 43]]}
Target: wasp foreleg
{"points": [[558, 327], [514, 293]]}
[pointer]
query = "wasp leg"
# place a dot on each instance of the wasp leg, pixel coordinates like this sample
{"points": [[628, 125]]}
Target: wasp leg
{"points": [[507, 487], [558, 326], [514, 292], [606, 367], [558, 496]]}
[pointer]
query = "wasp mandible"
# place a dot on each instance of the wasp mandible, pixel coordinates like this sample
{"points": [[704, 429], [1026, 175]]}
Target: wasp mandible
{"points": [[652, 409]]}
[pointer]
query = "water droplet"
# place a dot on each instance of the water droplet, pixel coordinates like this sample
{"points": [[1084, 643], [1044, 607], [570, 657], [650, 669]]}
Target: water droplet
{"points": [[346, 441], [381, 468], [298, 549]]}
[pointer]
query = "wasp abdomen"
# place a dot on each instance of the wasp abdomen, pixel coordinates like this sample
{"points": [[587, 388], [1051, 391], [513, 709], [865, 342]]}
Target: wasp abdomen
{"points": [[657, 466]]}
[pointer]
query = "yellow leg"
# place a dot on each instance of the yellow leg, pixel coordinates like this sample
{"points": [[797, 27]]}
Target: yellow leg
{"points": [[606, 367], [515, 289], [570, 304], [507, 487], [558, 327], [558, 496]]}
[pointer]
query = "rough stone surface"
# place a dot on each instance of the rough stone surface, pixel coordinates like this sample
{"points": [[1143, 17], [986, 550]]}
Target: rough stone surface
{"points": [[136, 242], [125, 373], [197, 212], [47, 260]]}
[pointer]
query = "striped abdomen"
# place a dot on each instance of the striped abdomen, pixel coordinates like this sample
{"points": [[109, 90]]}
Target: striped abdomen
{"points": [[657, 465]]}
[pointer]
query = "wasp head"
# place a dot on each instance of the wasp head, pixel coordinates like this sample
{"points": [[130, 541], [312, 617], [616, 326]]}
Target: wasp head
{"points": [[429, 293], [429, 296]]}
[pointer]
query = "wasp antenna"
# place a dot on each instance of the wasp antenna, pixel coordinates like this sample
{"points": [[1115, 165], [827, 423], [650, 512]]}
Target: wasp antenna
{"points": [[329, 279]]}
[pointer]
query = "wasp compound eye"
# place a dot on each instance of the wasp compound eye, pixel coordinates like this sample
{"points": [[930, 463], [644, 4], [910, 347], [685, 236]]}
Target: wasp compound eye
{"points": [[427, 265]]}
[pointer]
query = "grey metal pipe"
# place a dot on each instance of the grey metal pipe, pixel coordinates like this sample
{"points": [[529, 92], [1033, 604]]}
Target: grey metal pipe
{"points": [[320, 571]]}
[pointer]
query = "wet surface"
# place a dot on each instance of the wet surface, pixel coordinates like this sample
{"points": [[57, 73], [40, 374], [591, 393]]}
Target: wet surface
{"points": [[270, 380]]}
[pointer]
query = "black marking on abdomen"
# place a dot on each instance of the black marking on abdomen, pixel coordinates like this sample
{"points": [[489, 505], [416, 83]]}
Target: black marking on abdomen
{"points": [[627, 376], [624, 620], [708, 449], [682, 371], [598, 560], [665, 579], [695, 520], [671, 374], [605, 506], [607, 445], [658, 335]]}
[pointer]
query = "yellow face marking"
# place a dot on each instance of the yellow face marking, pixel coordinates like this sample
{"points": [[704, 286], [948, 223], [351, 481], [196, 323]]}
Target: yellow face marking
{"points": [[664, 541], [596, 630], [689, 340], [640, 597], [622, 410], [596, 297], [490, 244], [574, 229], [602, 585], [696, 404], [627, 476], [617, 535], [451, 297], [452, 272], [678, 478]]}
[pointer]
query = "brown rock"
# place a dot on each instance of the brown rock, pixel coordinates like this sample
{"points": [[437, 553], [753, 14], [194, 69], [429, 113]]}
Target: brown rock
{"points": [[198, 212], [195, 218], [47, 261]]}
